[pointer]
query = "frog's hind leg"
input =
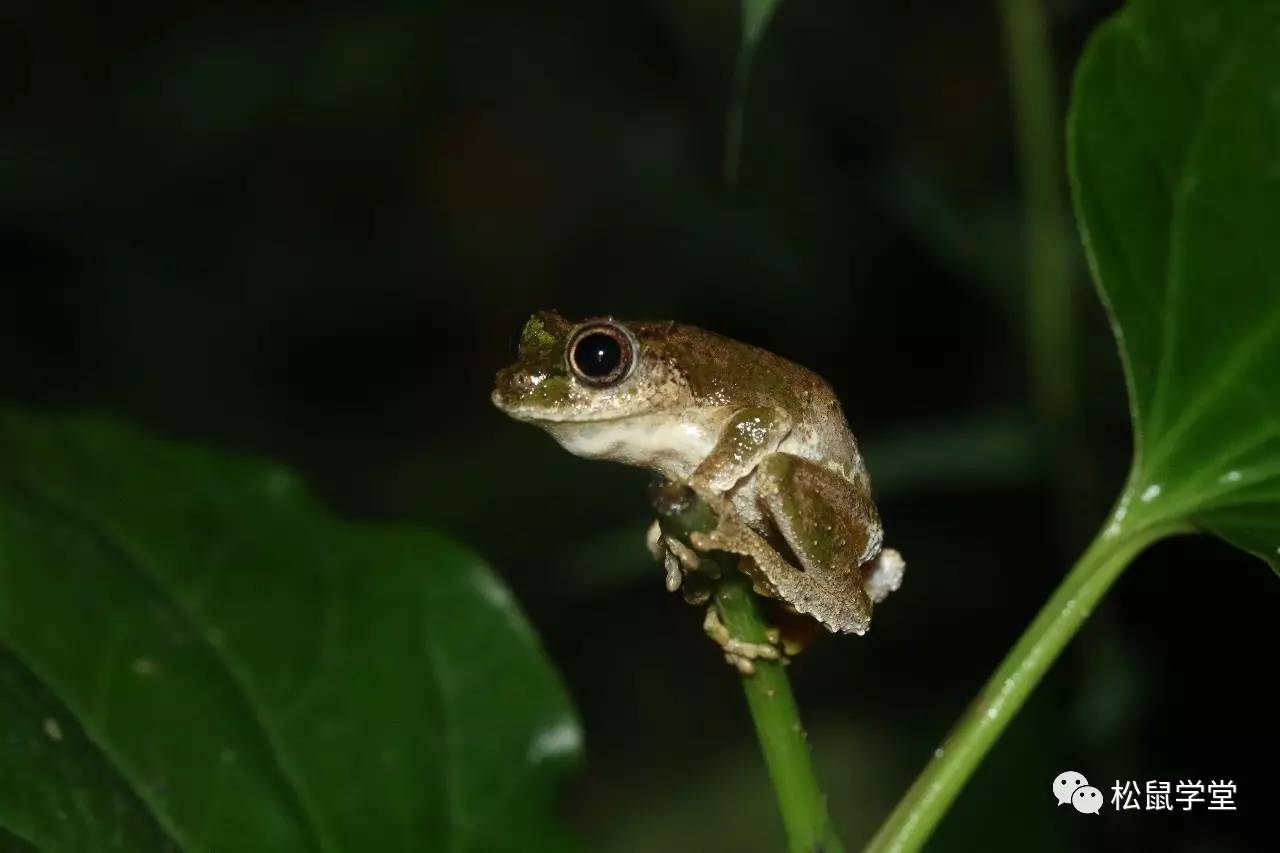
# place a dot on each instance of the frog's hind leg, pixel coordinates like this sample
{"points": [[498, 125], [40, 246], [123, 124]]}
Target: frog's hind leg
{"points": [[834, 596], [832, 528]]}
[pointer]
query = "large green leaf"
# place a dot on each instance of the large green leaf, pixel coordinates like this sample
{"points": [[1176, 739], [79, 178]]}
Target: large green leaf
{"points": [[194, 655], [1175, 159]]}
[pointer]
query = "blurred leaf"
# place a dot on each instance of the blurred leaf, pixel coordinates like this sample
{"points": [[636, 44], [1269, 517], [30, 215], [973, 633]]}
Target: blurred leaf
{"points": [[41, 743], [1174, 138], [755, 18], [195, 655]]}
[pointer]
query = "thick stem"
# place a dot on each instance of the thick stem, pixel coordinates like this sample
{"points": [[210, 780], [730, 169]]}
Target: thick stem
{"points": [[773, 706], [911, 823], [777, 720]]}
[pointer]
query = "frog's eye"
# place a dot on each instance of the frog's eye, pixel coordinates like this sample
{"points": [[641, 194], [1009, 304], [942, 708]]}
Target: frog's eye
{"points": [[601, 354]]}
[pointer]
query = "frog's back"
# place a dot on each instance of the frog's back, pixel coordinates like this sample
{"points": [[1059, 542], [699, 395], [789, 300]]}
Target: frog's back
{"points": [[724, 372]]}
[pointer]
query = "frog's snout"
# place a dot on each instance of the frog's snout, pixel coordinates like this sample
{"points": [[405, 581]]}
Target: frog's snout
{"points": [[511, 389]]}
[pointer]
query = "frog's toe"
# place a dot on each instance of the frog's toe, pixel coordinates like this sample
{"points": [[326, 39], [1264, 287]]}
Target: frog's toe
{"points": [[739, 654], [883, 574], [688, 558], [653, 541], [674, 574]]}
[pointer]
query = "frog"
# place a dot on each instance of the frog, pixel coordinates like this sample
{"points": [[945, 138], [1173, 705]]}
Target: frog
{"points": [[762, 440]]}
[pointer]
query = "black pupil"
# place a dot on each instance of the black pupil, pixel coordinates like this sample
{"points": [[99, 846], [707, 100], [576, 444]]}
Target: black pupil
{"points": [[597, 354]]}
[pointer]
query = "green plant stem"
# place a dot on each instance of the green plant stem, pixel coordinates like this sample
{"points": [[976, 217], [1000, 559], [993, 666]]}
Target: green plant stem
{"points": [[773, 706], [777, 721], [927, 800], [1050, 320]]}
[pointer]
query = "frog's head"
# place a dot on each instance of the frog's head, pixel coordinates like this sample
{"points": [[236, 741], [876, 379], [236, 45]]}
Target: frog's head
{"points": [[597, 370]]}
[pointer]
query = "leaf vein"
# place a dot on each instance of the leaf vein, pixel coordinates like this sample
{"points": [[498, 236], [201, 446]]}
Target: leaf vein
{"points": [[452, 748], [163, 823], [235, 677], [1173, 284]]}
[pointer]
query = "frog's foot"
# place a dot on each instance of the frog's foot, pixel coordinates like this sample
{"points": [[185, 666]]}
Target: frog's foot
{"points": [[734, 537], [835, 599], [653, 540], [882, 574], [678, 561], [740, 654]]}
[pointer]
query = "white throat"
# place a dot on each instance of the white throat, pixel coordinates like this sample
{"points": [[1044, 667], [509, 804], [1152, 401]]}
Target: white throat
{"points": [[671, 445]]}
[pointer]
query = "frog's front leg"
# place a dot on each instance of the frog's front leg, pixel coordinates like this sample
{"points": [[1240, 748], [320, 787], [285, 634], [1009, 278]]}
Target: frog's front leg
{"points": [[750, 434]]}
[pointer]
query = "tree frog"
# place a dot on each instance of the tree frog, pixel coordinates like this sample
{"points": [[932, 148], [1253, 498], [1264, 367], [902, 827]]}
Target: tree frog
{"points": [[762, 440]]}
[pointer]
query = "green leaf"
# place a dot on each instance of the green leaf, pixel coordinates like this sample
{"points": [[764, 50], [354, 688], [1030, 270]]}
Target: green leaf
{"points": [[195, 655], [755, 18], [1175, 162]]}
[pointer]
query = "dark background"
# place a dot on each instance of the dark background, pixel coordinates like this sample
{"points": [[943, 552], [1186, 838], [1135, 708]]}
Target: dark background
{"points": [[314, 234]]}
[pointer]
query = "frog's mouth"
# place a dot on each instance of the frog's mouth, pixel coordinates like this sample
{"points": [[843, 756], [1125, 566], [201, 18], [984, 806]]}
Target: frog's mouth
{"points": [[527, 412], [525, 393], [547, 396], [517, 409]]}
